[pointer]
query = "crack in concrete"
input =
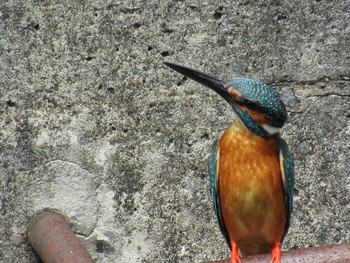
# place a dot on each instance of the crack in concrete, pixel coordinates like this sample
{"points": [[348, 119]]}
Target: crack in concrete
{"points": [[66, 162], [326, 79], [327, 94]]}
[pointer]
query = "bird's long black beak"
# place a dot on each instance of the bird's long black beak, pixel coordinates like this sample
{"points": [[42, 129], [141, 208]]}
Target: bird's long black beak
{"points": [[210, 81]]}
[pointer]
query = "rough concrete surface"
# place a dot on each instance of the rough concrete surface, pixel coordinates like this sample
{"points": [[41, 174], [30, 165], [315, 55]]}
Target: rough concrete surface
{"points": [[94, 126]]}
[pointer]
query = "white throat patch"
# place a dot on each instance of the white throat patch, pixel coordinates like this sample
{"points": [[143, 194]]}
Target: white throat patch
{"points": [[271, 129]]}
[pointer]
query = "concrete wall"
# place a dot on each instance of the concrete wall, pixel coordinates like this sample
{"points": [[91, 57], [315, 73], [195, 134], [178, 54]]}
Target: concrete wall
{"points": [[93, 125]]}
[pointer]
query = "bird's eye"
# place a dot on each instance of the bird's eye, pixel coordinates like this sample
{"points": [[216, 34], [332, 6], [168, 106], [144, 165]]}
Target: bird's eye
{"points": [[251, 105]]}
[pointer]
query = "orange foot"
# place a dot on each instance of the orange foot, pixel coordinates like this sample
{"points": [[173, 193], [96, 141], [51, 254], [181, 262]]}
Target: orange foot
{"points": [[235, 258], [276, 253]]}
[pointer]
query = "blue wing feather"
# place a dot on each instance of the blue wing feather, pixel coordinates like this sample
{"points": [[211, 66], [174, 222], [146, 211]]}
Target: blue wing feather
{"points": [[214, 189], [288, 175]]}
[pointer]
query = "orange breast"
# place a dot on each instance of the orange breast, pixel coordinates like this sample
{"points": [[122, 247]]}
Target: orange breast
{"points": [[251, 190]]}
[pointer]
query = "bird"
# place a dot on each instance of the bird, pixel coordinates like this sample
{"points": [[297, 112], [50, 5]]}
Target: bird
{"points": [[251, 168]]}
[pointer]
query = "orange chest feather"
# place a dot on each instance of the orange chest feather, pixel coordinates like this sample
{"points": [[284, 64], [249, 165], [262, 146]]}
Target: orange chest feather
{"points": [[251, 188], [247, 157]]}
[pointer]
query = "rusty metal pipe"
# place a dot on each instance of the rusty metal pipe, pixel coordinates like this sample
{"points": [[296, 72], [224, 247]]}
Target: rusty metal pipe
{"points": [[51, 237], [324, 254]]}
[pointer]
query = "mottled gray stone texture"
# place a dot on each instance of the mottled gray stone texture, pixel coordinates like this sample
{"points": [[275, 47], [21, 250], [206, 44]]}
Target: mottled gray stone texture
{"points": [[94, 126]]}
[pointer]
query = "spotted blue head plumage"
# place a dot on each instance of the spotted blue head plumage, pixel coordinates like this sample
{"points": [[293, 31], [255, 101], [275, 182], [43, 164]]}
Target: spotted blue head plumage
{"points": [[260, 97]]}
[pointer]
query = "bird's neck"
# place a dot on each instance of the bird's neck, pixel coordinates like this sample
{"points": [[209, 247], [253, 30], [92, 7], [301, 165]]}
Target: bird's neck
{"points": [[241, 127], [240, 139], [249, 123]]}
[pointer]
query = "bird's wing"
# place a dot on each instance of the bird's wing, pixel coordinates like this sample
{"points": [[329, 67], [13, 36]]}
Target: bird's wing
{"points": [[214, 188], [287, 168]]}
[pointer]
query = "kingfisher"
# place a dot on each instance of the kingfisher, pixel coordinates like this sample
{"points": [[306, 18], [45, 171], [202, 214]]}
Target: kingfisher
{"points": [[251, 168]]}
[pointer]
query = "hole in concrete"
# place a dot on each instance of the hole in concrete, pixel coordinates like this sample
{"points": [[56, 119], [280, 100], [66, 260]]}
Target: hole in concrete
{"points": [[205, 136], [136, 25], [217, 15], [165, 53], [10, 103], [103, 247], [110, 90]]}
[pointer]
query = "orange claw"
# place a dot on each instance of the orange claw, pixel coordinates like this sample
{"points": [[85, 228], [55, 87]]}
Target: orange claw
{"points": [[235, 258], [276, 253]]}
